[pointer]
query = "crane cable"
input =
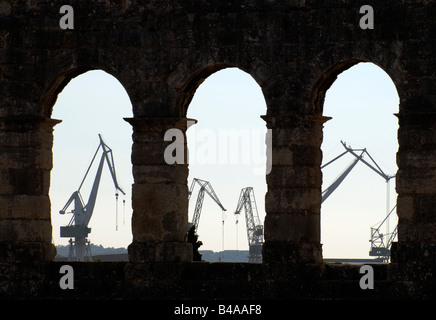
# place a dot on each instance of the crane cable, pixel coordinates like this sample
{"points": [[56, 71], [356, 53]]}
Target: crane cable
{"points": [[223, 218], [116, 211], [237, 221], [124, 211]]}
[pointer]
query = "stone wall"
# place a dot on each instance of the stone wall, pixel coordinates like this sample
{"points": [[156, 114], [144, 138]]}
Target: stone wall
{"points": [[161, 51]]}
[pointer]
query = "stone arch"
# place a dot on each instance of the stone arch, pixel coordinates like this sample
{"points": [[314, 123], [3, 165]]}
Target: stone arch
{"points": [[293, 206], [64, 67], [192, 71], [189, 87], [56, 82], [335, 60], [237, 129], [365, 215], [95, 108]]}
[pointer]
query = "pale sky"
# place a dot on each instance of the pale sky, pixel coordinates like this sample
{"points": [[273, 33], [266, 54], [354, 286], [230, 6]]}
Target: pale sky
{"points": [[361, 101]]}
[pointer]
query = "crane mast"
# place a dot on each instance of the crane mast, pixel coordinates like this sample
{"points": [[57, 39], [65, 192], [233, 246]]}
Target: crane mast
{"points": [[247, 202], [78, 226]]}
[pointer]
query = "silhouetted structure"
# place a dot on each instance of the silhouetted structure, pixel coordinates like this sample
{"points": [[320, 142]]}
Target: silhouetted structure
{"points": [[161, 51]]}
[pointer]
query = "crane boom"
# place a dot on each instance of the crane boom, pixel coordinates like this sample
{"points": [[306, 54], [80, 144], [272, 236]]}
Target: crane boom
{"points": [[205, 186], [89, 208], [78, 226], [376, 168], [327, 192]]}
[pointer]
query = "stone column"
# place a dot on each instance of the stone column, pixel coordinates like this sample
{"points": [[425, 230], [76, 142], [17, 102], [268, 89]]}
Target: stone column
{"points": [[159, 194], [416, 188], [293, 200], [25, 165]]}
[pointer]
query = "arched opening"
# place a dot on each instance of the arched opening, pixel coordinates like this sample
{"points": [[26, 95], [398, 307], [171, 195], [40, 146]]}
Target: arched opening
{"points": [[90, 104], [227, 150], [362, 103]]}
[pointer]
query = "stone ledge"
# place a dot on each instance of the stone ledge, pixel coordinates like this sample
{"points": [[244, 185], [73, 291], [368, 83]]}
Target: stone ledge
{"points": [[26, 252], [205, 281]]}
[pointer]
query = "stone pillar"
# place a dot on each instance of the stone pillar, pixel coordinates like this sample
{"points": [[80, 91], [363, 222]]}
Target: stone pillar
{"points": [[416, 188], [25, 165], [293, 200], [159, 194]]}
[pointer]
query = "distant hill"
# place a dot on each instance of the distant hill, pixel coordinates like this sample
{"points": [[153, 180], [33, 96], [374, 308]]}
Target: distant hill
{"points": [[98, 252], [224, 256]]}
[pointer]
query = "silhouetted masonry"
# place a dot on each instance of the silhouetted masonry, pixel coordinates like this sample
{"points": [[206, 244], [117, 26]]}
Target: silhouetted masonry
{"points": [[161, 51]]}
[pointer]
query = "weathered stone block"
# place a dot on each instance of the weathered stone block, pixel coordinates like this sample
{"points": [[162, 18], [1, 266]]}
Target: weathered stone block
{"points": [[413, 139], [151, 153], [30, 181], [423, 158], [146, 228], [25, 230], [168, 227], [298, 176], [14, 252], [293, 199], [416, 231], [27, 207], [141, 251], [405, 207], [299, 136], [298, 227], [6, 186], [416, 180], [160, 174], [282, 156], [414, 253], [291, 253], [175, 227], [173, 252], [159, 199]]}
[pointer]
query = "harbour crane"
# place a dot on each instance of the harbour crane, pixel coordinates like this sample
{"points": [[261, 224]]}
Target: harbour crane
{"points": [[205, 187], [380, 243], [254, 227], [78, 228]]}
